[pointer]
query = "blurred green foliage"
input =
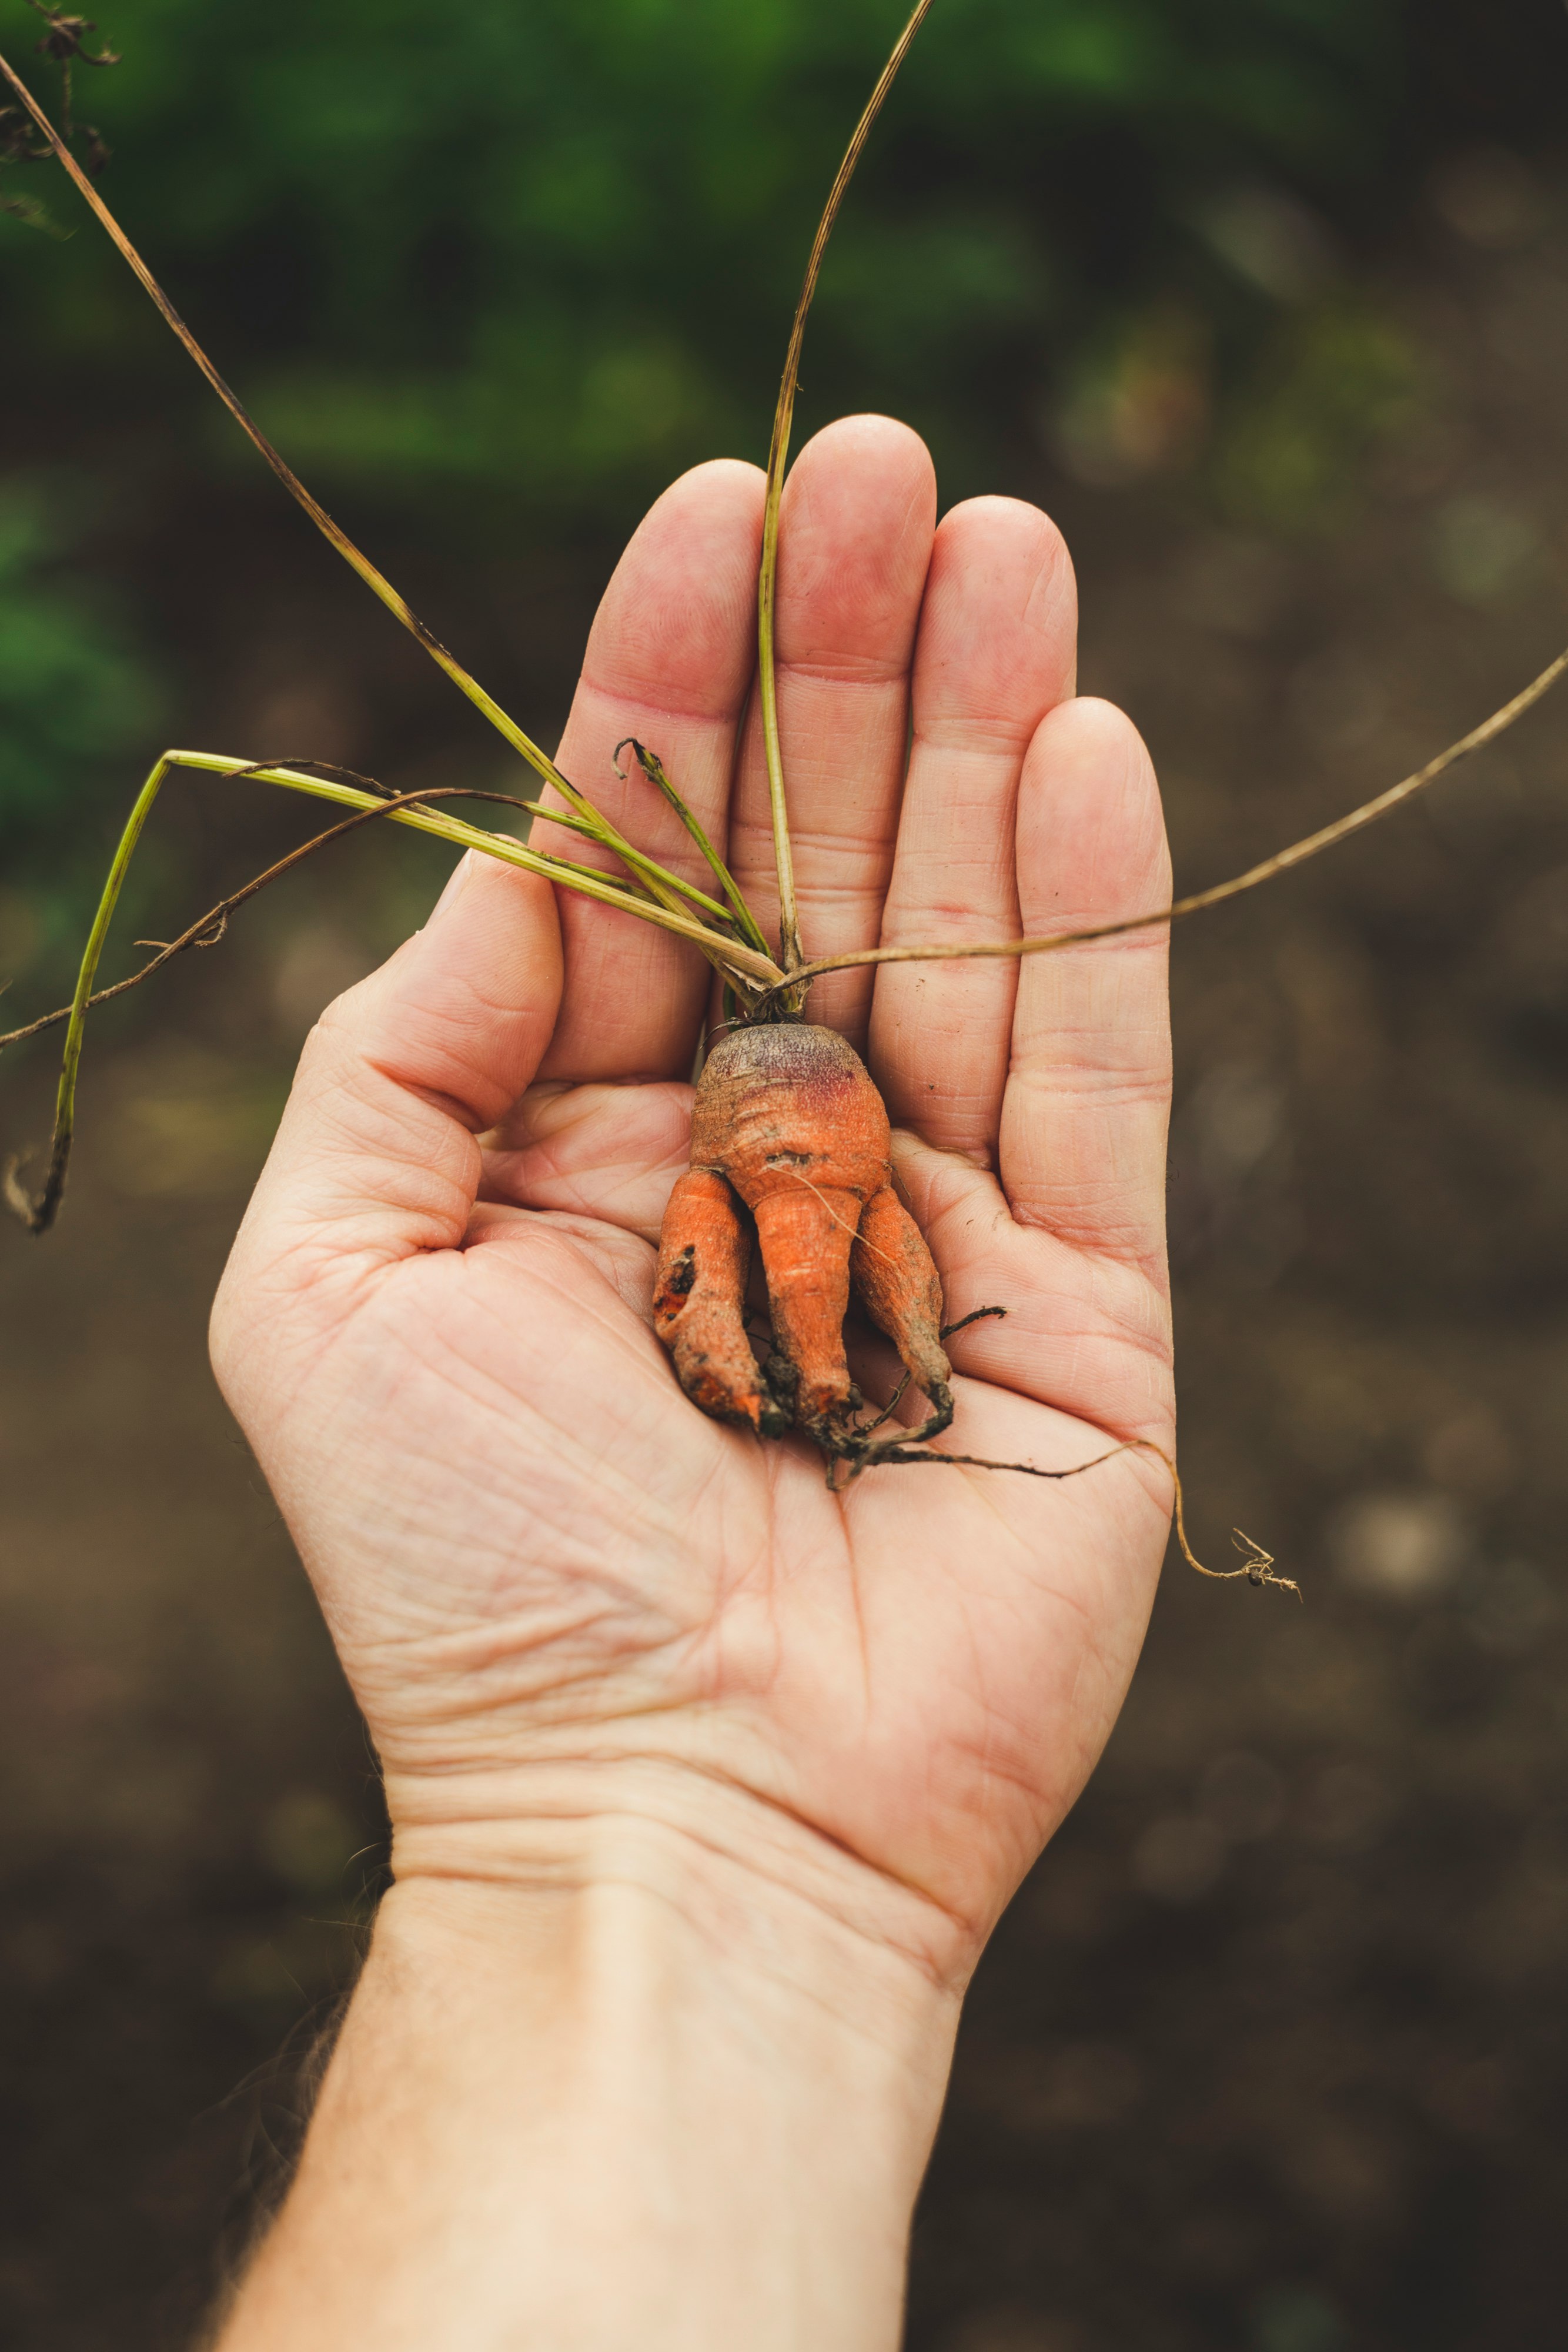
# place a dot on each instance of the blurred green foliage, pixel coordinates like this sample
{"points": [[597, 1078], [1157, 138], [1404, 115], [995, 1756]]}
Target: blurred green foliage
{"points": [[1336, 380], [547, 249], [71, 688], [80, 706], [507, 267]]}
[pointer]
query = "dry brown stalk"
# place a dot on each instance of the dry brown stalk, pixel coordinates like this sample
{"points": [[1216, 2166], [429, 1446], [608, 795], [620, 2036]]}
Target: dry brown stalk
{"points": [[1297, 853], [209, 929], [791, 955]]}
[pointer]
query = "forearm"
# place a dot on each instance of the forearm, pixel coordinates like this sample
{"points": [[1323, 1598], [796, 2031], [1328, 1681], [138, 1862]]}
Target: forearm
{"points": [[582, 2118]]}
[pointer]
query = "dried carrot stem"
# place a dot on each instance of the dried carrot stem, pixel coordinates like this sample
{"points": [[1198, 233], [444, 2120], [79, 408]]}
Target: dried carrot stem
{"points": [[1281, 862], [791, 952]]}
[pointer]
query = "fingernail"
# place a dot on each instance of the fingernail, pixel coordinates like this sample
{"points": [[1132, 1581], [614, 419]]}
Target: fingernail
{"points": [[456, 882]]}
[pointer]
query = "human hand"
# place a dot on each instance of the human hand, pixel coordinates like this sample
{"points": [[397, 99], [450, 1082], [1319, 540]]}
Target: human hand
{"points": [[564, 1599]]}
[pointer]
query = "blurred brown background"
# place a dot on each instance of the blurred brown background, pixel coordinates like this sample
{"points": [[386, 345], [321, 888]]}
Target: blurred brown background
{"points": [[1268, 2055]]}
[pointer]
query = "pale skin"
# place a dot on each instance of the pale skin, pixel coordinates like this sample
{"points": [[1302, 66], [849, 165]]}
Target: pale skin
{"points": [[708, 1785]]}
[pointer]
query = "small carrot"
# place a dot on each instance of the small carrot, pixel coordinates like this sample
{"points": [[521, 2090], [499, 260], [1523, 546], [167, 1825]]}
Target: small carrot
{"points": [[790, 1141]]}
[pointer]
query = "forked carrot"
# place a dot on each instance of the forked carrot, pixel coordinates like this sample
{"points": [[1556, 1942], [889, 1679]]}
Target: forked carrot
{"points": [[790, 1141]]}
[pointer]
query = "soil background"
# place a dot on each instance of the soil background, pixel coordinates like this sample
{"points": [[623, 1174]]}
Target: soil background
{"points": [[1270, 2054]]}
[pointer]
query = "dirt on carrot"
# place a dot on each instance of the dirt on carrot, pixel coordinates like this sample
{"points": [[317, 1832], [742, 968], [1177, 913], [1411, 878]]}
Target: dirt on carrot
{"points": [[790, 1145]]}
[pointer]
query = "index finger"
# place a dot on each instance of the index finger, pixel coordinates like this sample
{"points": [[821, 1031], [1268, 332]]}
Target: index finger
{"points": [[669, 660]]}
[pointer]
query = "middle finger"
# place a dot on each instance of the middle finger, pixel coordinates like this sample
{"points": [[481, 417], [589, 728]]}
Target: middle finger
{"points": [[855, 533]]}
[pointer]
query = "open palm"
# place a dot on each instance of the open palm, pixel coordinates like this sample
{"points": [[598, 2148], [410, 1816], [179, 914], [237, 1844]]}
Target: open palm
{"points": [[559, 1591]]}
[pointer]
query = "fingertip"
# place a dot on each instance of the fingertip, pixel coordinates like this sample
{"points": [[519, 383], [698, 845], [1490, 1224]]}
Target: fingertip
{"points": [[721, 480], [1021, 548], [875, 456], [1004, 523], [869, 435], [1088, 728], [1091, 824], [858, 520], [676, 626], [999, 631], [718, 500]]}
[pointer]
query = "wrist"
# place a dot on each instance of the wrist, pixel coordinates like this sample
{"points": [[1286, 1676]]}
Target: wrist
{"points": [[757, 2024], [743, 2084], [753, 1879], [688, 2104], [717, 2011]]}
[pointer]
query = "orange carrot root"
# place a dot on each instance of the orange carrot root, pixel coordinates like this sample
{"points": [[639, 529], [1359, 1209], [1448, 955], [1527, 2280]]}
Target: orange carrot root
{"points": [[897, 1286], [789, 1126], [699, 1304]]}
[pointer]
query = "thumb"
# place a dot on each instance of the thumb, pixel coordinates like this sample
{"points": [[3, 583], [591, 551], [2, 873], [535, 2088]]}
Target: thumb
{"points": [[377, 1157]]}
